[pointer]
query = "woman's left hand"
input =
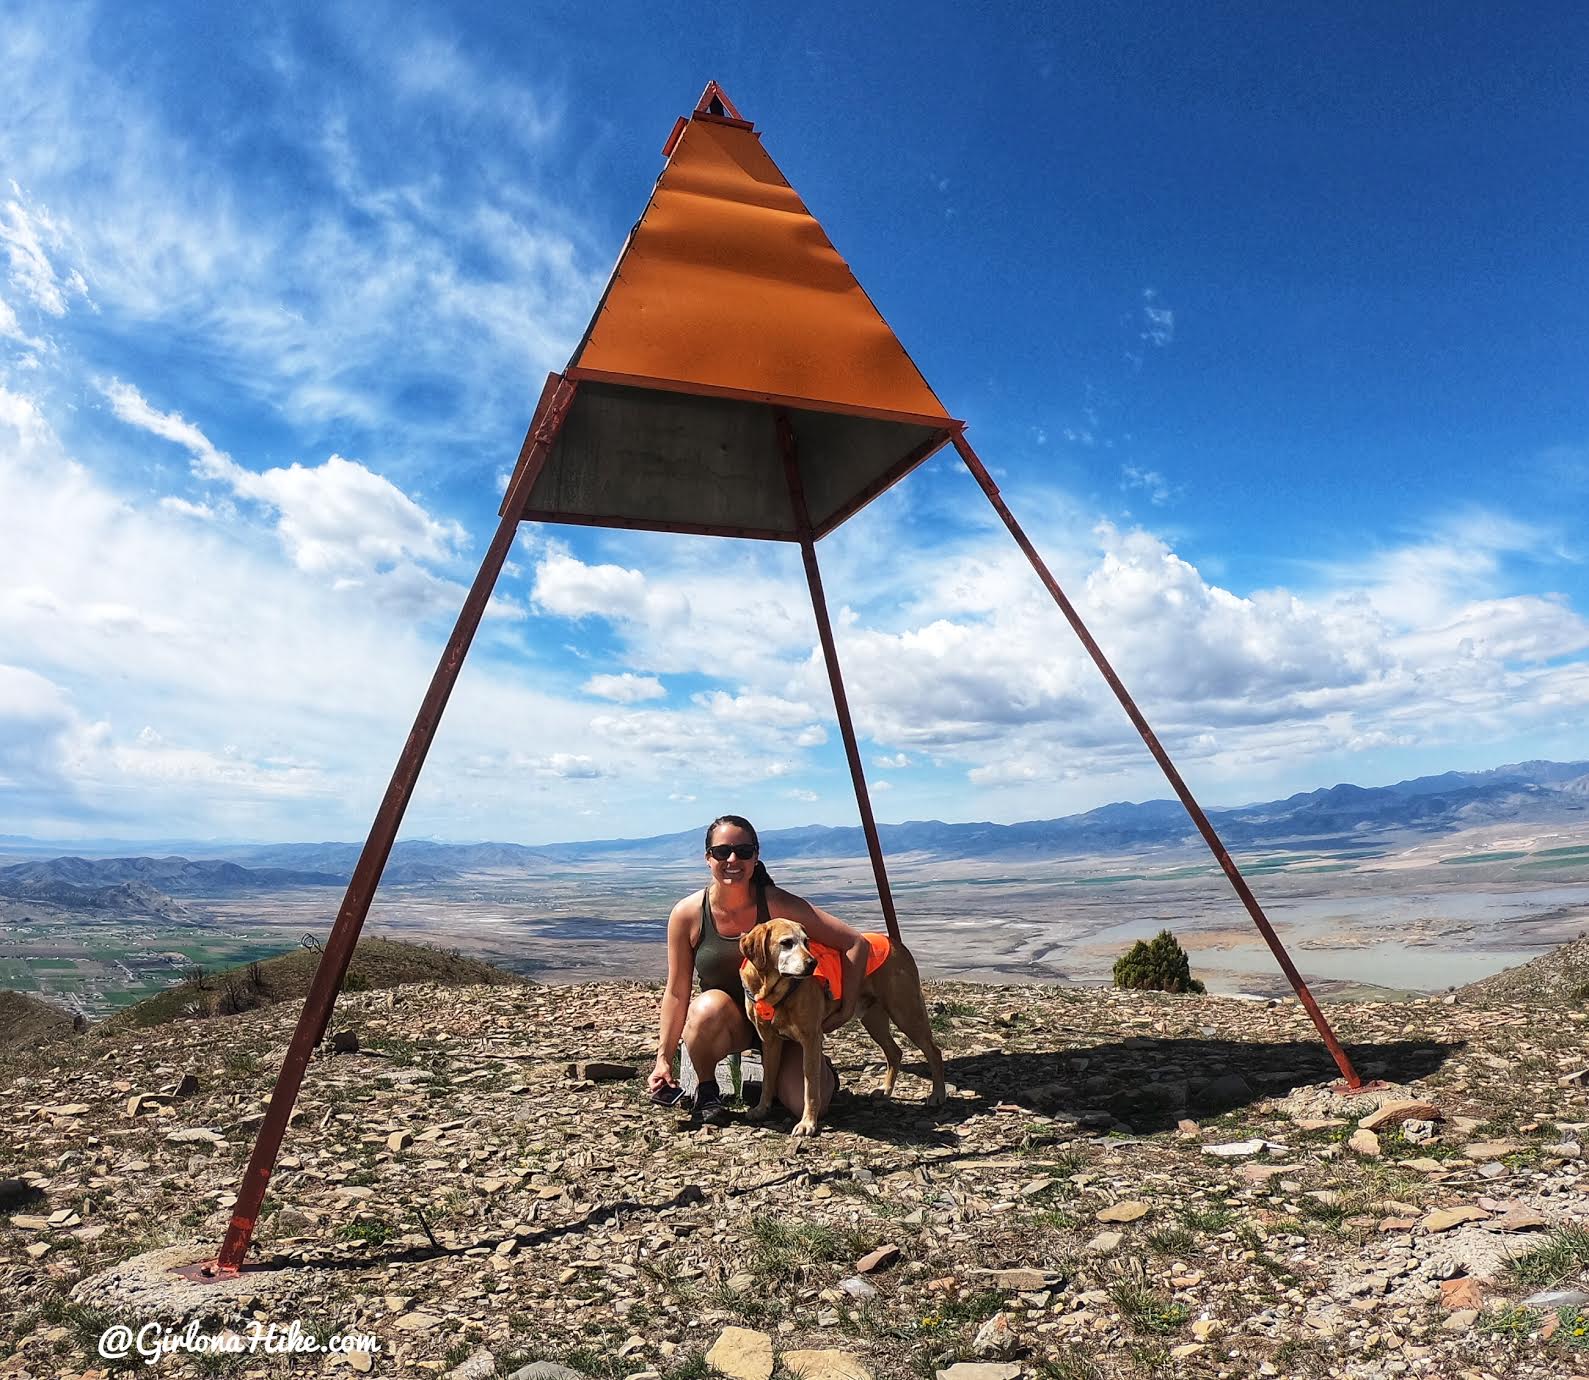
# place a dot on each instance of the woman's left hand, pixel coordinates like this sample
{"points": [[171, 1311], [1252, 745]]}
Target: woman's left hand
{"points": [[840, 1018]]}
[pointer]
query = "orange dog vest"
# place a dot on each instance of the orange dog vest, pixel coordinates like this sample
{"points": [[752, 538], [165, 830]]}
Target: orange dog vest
{"points": [[830, 968]]}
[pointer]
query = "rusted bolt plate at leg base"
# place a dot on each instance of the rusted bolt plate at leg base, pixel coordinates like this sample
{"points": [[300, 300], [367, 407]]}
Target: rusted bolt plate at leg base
{"points": [[1344, 1089]]}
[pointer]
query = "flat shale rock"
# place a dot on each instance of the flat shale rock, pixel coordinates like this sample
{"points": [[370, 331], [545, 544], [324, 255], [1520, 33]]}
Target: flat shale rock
{"points": [[1364, 1143], [880, 1259], [1461, 1293], [1490, 1149], [1396, 1113], [741, 1354], [1519, 1218], [824, 1365], [598, 1071], [980, 1370], [480, 1366], [1443, 1219], [1241, 1149], [1021, 1280], [196, 1135], [1557, 1298]]}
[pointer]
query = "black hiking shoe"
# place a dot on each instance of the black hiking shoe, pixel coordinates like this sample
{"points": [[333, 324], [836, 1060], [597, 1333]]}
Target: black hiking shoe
{"points": [[710, 1109]]}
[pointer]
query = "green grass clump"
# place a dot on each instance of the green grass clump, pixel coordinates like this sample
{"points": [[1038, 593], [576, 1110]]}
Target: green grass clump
{"points": [[1209, 1219], [1156, 965], [88, 1324], [952, 1311], [1171, 1241], [375, 1231], [1564, 1252], [1070, 1367], [1330, 1216], [1144, 1311], [944, 1014], [1514, 1323], [779, 1246]]}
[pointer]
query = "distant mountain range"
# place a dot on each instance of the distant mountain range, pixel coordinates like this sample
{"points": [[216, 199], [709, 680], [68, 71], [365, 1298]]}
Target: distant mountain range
{"points": [[1341, 817], [144, 886], [1338, 815]]}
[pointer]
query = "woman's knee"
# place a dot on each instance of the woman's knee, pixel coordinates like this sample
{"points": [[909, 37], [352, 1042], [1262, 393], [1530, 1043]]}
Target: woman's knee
{"points": [[712, 1014]]}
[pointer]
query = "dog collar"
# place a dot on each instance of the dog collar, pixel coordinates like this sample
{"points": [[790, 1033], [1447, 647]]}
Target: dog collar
{"points": [[765, 1010]]}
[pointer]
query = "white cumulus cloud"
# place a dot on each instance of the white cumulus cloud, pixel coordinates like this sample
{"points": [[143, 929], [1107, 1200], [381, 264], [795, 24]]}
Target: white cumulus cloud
{"points": [[339, 518], [626, 688]]}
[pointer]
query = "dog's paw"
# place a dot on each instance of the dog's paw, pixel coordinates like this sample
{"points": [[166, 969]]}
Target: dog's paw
{"points": [[937, 1099], [757, 1113], [804, 1127]]}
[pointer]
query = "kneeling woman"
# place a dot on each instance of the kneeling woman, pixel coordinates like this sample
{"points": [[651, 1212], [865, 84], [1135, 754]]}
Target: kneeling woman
{"points": [[703, 938]]}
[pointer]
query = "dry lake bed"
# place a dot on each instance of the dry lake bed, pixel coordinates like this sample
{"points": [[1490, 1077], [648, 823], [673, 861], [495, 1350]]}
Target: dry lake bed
{"points": [[1368, 916]]}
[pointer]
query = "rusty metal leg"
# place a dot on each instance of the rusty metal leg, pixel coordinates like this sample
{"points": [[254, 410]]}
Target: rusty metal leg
{"points": [[808, 553], [333, 964], [1206, 829]]}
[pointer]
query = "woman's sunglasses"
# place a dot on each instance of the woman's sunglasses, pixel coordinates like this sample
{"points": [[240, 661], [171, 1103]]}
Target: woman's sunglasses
{"points": [[724, 851]]}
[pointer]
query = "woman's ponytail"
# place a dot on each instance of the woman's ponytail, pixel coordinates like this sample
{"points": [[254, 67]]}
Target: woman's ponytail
{"points": [[761, 877]]}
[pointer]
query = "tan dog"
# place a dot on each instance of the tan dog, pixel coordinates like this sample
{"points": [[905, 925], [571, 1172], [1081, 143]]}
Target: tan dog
{"points": [[784, 1001]]}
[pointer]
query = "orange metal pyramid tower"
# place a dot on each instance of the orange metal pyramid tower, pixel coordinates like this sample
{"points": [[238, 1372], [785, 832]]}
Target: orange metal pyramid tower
{"points": [[734, 381], [729, 307]]}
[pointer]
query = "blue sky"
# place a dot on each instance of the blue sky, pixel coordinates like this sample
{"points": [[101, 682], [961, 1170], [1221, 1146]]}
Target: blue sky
{"points": [[1271, 328]]}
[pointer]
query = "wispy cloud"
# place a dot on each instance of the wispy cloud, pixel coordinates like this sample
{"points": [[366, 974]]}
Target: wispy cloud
{"points": [[1158, 321], [28, 234], [299, 300], [626, 688], [1151, 483]]}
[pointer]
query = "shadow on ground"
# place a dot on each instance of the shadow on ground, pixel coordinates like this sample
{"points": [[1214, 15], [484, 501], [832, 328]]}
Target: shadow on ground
{"points": [[1148, 1085], [1139, 1085]]}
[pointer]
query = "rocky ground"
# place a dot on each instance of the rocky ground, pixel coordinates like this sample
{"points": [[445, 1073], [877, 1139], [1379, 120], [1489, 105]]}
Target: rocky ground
{"points": [[1122, 1185]]}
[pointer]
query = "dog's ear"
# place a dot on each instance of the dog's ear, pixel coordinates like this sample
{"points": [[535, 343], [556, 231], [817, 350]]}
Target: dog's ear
{"points": [[753, 945]]}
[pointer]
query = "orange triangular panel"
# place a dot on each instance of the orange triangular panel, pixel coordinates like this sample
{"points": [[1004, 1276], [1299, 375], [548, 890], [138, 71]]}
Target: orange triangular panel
{"points": [[729, 286]]}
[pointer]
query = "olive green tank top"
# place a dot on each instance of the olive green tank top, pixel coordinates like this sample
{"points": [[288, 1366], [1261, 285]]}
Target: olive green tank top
{"points": [[717, 956]]}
